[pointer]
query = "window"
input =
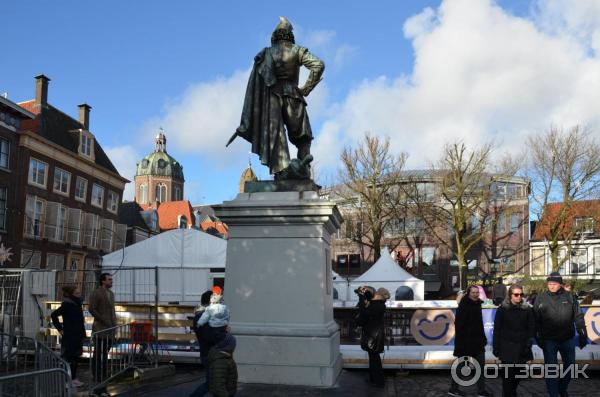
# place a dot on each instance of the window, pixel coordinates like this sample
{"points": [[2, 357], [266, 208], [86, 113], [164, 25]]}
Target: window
{"points": [[55, 262], [143, 194], [4, 153], [597, 260], [80, 188], [3, 195], [113, 201], [177, 193], [515, 191], [499, 190], [538, 258], [62, 179], [61, 223], [514, 222], [585, 225], [425, 191], [31, 259], [161, 193], [579, 261], [501, 225], [182, 222], [34, 215], [86, 144], [394, 228], [37, 172], [475, 223], [97, 195]]}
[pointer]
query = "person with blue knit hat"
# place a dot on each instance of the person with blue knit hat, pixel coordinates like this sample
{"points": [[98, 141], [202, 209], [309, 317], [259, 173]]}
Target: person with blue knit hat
{"points": [[557, 315]]}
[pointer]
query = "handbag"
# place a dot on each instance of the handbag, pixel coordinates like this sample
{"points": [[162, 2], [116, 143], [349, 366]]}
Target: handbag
{"points": [[373, 342]]}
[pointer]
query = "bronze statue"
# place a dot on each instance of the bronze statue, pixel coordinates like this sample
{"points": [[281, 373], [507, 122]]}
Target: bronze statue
{"points": [[274, 103]]}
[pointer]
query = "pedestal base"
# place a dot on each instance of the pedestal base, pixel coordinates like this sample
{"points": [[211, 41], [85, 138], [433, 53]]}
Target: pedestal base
{"points": [[279, 289]]}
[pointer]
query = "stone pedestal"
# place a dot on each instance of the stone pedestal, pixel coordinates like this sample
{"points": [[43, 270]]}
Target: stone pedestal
{"points": [[279, 289]]}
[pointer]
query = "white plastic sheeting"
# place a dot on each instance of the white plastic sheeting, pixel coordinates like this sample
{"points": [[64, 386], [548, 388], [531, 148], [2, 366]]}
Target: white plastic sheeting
{"points": [[175, 248]]}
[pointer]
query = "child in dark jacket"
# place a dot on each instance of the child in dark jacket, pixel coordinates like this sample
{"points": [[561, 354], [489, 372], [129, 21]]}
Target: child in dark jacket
{"points": [[223, 369]]}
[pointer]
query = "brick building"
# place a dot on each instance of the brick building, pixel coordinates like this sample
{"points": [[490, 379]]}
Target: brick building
{"points": [[502, 250], [68, 191]]}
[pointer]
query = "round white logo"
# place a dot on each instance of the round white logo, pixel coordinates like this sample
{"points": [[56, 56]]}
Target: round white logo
{"points": [[466, 371]]}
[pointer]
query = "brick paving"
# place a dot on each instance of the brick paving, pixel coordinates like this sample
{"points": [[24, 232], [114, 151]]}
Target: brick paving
{"points": [[352, 383]]}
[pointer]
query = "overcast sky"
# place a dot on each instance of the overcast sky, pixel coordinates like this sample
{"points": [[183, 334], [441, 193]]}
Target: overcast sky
{"points": [[421, 72]]}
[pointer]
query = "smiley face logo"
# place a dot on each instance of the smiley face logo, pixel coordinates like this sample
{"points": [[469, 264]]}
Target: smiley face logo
{"points": [[592, 324], [432, 327]]}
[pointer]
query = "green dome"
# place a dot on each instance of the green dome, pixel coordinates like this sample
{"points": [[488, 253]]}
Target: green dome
{"points": [[159, 163]]}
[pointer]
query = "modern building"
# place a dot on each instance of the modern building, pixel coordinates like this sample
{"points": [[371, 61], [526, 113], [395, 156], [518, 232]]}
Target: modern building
{"points": [[579, 254], [502, 250], [68, 191]]}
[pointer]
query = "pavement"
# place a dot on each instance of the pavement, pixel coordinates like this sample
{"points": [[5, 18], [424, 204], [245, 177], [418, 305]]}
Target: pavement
{"points": [[352, 383]]}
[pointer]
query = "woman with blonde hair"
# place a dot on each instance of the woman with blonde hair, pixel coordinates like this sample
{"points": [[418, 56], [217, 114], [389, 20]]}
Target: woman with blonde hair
{"points": [[72, 328]]}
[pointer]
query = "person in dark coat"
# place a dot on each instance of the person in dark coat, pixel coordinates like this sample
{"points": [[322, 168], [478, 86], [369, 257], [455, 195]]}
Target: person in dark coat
{"points": [[557, 314], [223, 369], [370, 318], [514, 330], [499, 292], [203, 335], [72, 328], [470, 338]]}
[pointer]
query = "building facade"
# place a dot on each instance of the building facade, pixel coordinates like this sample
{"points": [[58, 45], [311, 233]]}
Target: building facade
{"points": [[580, 256], [67, 188], [503, 248]]}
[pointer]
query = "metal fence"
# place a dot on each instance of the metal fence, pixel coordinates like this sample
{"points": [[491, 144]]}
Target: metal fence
{"points": [[10, 302], [30, 369], [396, 323], [118, 349]]}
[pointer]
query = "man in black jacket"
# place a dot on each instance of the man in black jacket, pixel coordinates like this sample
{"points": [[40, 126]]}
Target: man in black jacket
{"points": [[557, 314]]}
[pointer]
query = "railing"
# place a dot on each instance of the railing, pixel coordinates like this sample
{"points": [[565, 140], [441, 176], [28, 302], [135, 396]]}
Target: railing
{"points": [[10, 302], [30, 369], [116, 350]]}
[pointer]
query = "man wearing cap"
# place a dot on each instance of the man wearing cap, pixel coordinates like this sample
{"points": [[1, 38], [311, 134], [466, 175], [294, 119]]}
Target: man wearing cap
{"points": [[557, 315]]}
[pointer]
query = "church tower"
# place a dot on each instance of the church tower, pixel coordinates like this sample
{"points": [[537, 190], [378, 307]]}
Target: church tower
{"points": [[158, 176]]}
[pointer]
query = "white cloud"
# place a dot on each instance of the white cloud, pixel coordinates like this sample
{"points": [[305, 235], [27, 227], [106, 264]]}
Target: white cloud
{"points": [[204, 117], [480, 74], [124, 158]]}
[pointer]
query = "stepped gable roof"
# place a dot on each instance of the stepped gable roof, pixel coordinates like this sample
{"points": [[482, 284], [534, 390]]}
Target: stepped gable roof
{"points": [[577, 209], [61, 129], [169, 211]]}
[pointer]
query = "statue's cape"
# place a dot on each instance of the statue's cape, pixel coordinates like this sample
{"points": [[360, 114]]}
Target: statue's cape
{"points": [[258, 126]]}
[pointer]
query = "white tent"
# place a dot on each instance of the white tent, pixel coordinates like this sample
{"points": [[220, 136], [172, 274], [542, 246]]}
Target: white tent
{"points": [[187, 260], [386, 273], [340, 285]]}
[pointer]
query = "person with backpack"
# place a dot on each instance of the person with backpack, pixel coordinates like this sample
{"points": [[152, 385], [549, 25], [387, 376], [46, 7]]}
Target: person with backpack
{"points": [[557, 315]]}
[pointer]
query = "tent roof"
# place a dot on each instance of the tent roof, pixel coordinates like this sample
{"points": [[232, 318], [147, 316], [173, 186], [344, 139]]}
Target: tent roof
{"points": [[385, 269], [175, 248]]}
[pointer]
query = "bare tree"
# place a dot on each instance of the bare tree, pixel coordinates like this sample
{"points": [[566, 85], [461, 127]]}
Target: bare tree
{"points": [[369, 191], [564, 167], [464, 206]]}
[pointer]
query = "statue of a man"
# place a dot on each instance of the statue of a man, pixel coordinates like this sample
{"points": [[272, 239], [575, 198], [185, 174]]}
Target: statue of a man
{"points": [[274, 103]]}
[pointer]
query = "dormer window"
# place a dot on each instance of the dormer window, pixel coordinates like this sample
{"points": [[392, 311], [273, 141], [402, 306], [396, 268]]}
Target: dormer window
{"points": [[86, 144], [585, 225]]}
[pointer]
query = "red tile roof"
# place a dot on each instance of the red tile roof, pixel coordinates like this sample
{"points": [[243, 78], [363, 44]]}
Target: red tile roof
{"points": [[169, 212], [218, 225], [577, 209]]}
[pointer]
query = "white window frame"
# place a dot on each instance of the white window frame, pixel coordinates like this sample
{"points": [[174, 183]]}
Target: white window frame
{"points": [[55, 261], [61, 172], [86, 144], [158, 193], [85, 182], [93, 199], [4, 143], [30, 179], [182, 222], [534, 258], [585, 221], [112, 202]]}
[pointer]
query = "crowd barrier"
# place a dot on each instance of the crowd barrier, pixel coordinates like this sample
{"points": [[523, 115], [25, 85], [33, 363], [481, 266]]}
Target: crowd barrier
{"points": [[30, 369]]}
